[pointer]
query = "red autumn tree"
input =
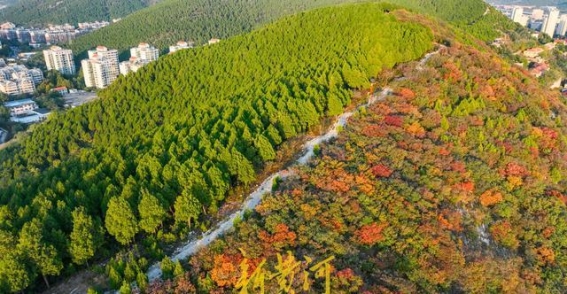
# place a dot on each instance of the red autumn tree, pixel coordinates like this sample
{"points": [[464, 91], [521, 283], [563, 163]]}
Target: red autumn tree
{"points": [[406, 93], [381, 171], [225, 270], [394, 120], [370, 234]]}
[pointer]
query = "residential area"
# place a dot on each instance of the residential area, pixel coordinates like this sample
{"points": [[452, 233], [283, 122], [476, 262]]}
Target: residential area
{"points": [[31, 91], [548, 27]]}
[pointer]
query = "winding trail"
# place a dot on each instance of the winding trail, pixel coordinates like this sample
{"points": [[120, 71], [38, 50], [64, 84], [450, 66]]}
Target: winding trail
{"points": [[192, 246]]}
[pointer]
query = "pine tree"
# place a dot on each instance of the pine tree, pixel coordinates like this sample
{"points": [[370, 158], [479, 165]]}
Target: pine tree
{"points": [[120, 221], [242, 168], [44, 256], [85, 237], [125, 288], [265, 149], [187, 207], [335, 106], [152, 214]]}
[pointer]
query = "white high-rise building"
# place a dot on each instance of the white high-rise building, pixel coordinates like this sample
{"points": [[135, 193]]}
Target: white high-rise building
{"points": [[60, 59], [139, 57], [550, 21], [180, 46], [537, 14], [144, 53], [517, 14], [101, 69], [562, 26]]}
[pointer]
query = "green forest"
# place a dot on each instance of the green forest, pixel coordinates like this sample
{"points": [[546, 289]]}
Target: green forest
{"points": [[42, 12], [165, 145], [200, 20], [454, 183]]}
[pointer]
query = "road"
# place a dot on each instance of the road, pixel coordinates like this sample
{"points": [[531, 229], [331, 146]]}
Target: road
{"points": [[77, 99]]}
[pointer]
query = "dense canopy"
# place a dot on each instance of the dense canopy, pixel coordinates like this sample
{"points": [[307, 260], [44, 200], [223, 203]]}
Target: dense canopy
{"points": [[455, 183], [180, 133]]}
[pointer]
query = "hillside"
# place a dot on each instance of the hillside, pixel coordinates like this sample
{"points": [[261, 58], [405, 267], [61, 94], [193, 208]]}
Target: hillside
{"points": [[167, 144], [454, 183], [201, 20], [41, 12]]}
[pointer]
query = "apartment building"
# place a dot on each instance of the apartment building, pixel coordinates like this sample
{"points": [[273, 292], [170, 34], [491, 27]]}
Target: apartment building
{"points": [[102, 67], [144, 53], [19, 107], [57, 58], [17, 79], [180, 46], [139, 57]]}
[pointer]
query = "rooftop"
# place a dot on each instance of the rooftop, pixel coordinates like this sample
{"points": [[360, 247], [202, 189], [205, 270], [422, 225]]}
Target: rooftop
{"points": [[42, 110], [17, 103]]}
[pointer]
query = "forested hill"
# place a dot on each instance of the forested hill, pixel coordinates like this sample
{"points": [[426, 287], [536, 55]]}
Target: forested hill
{"points": [[166, 144], [454, 183], [200, 20], [41, 12]]}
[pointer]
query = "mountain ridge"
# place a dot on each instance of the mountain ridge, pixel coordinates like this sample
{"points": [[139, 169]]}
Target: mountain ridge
{"points": [[42, 12], [202, 20]]}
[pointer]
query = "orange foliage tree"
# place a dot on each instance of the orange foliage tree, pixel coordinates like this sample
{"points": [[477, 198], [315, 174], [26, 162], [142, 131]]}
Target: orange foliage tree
{"points": [[370, 234]]}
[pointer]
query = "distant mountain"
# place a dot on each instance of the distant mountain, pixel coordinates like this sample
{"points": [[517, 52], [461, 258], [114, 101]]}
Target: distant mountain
{"points": [[199, 20], [39, 12]]}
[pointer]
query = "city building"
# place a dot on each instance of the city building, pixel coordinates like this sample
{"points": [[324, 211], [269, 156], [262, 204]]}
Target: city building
{"points": [[102, 68], [53, 34], [23, 36], [180, 46], [18, 107], [57, 37], [562, 25], [550, 21], [34, 116], [213, 41], [537, 14], [17, 79], [60, 59], [17, 87], [93, 25], [132, 65], [63, 27], [139, 57], [61, 90], [7, 26], [144, 53], [37, 37], [9, 88], [8, 34], [518, 14]]}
